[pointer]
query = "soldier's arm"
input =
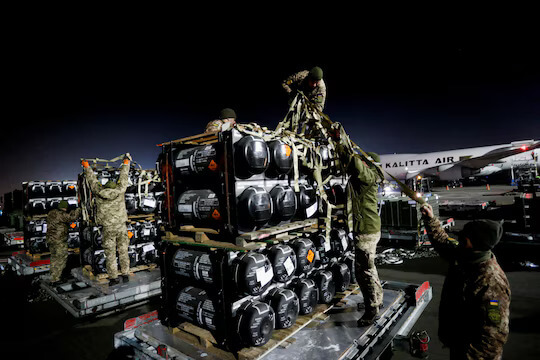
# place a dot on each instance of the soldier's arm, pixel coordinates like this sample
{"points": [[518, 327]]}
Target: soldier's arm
{"points": [[123, 179], [292, 81], [319, 97], [494, 308], [93, 182], [360, 171], [74, 214], [442, 243]]}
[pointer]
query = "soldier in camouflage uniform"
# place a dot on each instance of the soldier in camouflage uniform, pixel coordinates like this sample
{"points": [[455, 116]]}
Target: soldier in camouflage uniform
{"points": [[112, 215], [311, 83], [475, 300], [365, 223], [226, 115], [58, 221]]}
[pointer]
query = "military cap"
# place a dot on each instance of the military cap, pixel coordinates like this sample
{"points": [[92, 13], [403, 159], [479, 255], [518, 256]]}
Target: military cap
{"points": [[227, 113], [316, 73], [483, 234], [63, 204], [111, 184]]}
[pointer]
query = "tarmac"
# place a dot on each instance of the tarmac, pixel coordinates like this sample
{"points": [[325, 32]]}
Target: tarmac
{"points": [[34, 326]]}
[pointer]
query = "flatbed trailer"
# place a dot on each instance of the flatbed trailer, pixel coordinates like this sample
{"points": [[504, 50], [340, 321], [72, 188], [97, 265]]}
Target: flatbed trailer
{"points": [[334, 335], [83, 297]]}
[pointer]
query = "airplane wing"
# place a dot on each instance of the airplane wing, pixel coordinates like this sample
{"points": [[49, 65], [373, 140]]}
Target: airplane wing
{"points": [[493, 156]]}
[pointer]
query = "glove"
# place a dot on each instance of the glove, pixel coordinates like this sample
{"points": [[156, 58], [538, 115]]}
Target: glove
{"points": [[127, 159], [85, 164]]}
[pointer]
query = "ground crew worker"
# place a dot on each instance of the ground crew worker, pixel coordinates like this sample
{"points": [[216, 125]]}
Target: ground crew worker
{"points": [[475, 300], [365, 223], [58, 221], [311, 83], [226, 116], [112, 215]]}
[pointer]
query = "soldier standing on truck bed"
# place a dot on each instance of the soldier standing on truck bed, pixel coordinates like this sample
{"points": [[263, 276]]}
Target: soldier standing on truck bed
{"points": [[475, 300], [365, 223], [58, 221], [112, 215]]}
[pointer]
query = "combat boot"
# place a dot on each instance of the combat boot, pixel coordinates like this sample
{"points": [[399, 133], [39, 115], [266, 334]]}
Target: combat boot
{"points": [[369, 317], [113, 282], [125, 278]]}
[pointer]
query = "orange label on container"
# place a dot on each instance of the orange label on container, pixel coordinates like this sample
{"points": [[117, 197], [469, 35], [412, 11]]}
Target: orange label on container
{"points": [[288, 150], [130, 234], [310, 255], [73, 225], [212, 166], [216, 215]]}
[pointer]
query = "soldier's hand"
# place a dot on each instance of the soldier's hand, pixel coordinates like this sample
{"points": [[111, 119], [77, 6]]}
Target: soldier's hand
{"points": [[427, 211], [85, 164]]}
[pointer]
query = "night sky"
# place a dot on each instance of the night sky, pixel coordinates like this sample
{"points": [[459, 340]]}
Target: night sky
{"points": [[94, 91]]}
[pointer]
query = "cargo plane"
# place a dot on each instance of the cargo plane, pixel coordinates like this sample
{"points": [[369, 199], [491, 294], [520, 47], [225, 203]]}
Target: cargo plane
{"points": [[463, 163]]}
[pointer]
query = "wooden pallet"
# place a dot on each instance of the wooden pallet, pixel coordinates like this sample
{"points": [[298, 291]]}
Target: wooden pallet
{"points": [[199, 139], [47, 254], [204, 339], [135, 218], [199, 237], [88, 272], [277, 233]]}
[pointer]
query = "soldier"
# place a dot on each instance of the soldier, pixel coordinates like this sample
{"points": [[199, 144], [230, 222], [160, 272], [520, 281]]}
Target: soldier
{"points": [[226, 115], [58, 221], [365, 223], [475, 299], [311, 83], [112, 215]]}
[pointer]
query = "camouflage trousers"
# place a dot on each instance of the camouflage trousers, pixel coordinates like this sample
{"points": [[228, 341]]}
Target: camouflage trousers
{"points": [[366, 272], [116, 237], [59, 256]]}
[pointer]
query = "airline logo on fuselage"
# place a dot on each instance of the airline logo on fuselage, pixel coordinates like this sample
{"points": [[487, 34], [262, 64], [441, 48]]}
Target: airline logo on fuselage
{"points": [[442, 160]]}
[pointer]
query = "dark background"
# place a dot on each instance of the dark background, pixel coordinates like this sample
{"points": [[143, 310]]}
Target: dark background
{"points": [[107, 85]]}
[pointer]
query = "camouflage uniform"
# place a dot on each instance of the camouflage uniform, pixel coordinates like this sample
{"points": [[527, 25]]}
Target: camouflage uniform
{"points": [[299, 81], [475, 301], [57, 234], [365, 223], [112, 215]]}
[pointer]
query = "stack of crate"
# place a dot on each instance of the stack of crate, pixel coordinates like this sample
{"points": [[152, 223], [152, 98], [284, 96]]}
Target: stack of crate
{"points": [[244, 250], [40, 197]]}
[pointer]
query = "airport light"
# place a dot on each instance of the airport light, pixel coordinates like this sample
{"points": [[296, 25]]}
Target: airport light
{"points": [[524, 147]]}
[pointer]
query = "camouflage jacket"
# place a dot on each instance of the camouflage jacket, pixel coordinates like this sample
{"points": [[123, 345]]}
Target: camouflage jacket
{"points": [[299, 81], [58, 224], [111, 205], [475, 302], [362, 188]]}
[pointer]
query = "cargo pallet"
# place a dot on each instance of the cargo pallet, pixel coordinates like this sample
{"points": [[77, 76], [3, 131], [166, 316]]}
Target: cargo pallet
{"points": [[25, 265], [83, 297], [329, 333]]}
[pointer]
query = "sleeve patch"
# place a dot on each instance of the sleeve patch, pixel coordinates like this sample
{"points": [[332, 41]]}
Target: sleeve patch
{"points": [[494, 312]]}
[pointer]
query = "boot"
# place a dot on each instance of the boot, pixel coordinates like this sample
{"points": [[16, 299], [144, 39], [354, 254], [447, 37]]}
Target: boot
{"points": [[369, 317], [125, 278], [114, 281]]}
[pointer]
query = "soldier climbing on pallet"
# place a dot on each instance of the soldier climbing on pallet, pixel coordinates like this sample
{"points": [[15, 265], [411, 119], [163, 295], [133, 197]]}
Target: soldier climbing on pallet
{"points": [[112, 215], [58, 221]]}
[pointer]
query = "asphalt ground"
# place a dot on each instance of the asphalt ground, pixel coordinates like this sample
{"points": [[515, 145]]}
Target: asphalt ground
{"points": [[34, 326]]}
